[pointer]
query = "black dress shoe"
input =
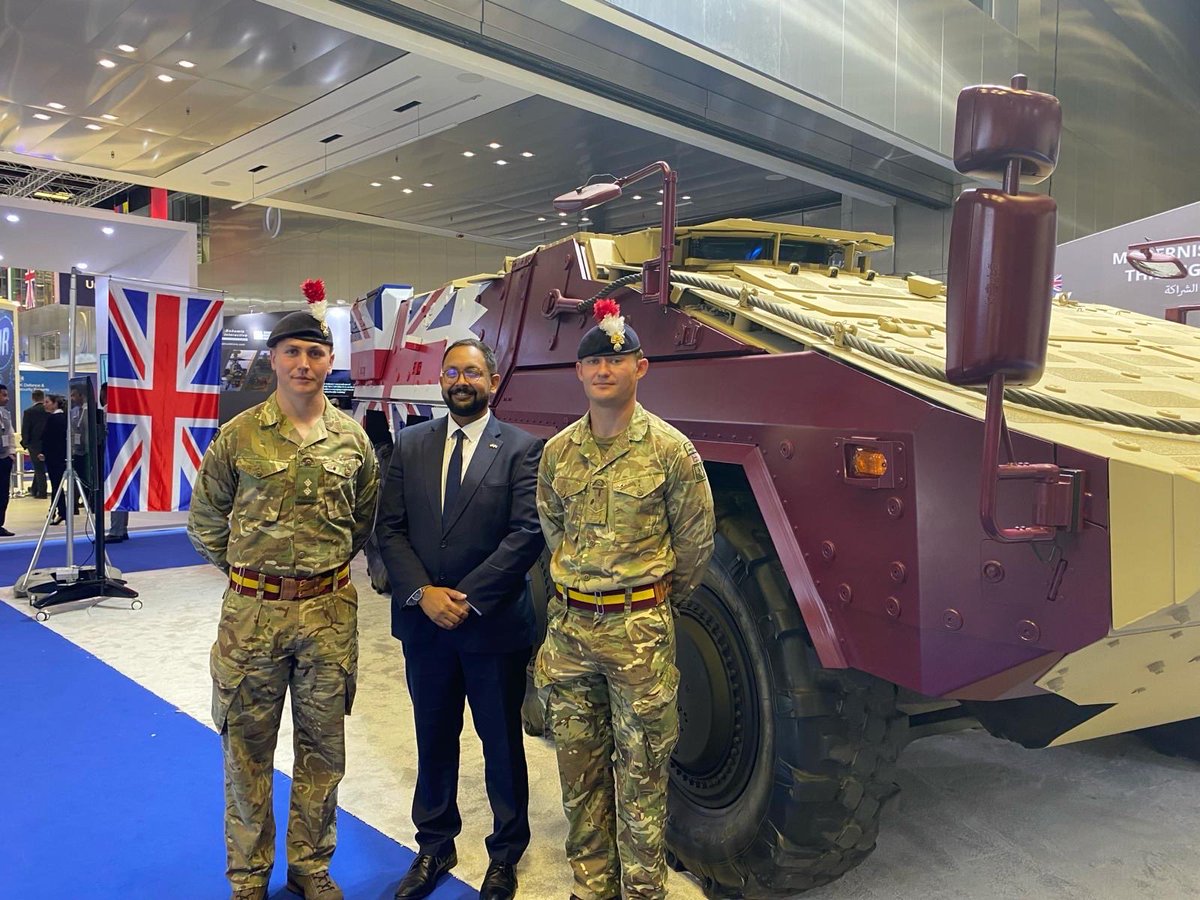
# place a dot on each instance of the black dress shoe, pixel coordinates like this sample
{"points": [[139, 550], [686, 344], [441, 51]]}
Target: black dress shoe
{"points": [[500, 882], [115, 538], [423, 875], [4, 532]]}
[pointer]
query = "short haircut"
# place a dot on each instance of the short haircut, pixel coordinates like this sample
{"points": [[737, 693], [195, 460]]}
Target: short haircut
{"points": [[3, 387], [489, 355], [39, 394]]}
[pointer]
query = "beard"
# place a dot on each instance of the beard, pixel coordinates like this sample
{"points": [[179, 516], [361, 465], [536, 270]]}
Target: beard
{"points": [[465, 401]]}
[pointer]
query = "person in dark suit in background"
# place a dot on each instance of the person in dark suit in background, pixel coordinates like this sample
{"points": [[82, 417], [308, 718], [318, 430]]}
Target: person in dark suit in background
{"points": [[54, 452], [33, 421], [458, 529], [375, 424]]}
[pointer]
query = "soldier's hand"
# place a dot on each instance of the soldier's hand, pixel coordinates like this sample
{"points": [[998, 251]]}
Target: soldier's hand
{"points": [[445, 606]]}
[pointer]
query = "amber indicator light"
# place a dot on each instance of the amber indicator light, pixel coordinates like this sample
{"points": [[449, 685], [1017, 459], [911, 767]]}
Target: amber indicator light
{"points": [[867, 463]]}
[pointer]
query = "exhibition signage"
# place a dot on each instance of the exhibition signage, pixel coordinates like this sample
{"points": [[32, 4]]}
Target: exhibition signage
{"points": [[164, 372], [1094, 269]]}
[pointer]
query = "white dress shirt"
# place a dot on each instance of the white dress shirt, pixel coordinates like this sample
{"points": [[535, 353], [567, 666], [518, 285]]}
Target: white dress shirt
{"points": [[473, 435]]}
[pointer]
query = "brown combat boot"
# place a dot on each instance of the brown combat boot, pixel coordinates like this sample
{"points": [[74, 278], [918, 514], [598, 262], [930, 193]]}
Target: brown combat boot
{"points": [[314, 886], [249, 892]]}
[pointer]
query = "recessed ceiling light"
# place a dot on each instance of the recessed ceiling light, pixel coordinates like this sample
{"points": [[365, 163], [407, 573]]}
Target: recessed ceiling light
{"points": [[637, 196], [186, 64], [92, 126], [658, 203], [108, 229], [376, 184], [541, 218], [687, 196], [468, 153], [564, 223], [495, 146], [775, 176], [81, 265], [407, 191], [107, 63], [427, 184], [126, 48], [660, 190], [13, 217], [526, 154], [165, 78], [42, 116], [502, 162], [585, 219], [56, 106], [110, 118], [396, 178], [562, 213]]}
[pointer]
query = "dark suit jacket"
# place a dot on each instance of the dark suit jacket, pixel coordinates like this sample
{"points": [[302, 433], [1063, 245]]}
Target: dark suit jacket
{"points": [[54, 441], [492, 536], [33, 423]]}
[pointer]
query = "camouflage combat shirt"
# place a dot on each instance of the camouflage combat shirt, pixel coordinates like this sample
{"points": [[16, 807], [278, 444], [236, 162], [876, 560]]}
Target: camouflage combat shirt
{"points": [[273, 502], [632, 515]]}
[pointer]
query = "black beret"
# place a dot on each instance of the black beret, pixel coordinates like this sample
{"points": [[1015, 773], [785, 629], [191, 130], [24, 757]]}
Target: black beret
{"points": [[303, 326], [598, 342]]}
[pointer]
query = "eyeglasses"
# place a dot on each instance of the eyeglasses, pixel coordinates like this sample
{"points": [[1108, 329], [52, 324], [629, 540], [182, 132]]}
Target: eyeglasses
{"points": [[471, 373]]}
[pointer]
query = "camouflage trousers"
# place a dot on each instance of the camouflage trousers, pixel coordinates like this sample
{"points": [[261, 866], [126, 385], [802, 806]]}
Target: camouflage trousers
{"points": [[263, 648], [609, 685]]}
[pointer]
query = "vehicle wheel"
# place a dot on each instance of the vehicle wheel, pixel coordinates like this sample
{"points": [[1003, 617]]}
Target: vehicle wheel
{"points": [[540, 587], [782, 767], [1175, 738]]}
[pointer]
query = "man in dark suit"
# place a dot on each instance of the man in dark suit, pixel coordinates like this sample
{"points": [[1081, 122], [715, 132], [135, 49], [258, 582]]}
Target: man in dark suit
{"points": [[458, 529], [33, 423]]}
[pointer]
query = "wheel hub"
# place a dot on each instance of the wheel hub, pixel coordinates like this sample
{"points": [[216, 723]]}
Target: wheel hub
{"points": [[718, 704]]}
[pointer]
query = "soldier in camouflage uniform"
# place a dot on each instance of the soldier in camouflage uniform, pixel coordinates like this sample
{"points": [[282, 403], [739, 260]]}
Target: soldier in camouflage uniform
{"points": [[284, 498], [627, 512]]}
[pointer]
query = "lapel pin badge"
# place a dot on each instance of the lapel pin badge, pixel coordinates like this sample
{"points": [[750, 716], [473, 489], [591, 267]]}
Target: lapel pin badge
{"points": [[494, 446]]}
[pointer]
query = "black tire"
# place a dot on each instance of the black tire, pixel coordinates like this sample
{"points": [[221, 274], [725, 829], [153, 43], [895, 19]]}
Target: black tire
{"points": [[783, 767], [1175, 738], [540, 586]]}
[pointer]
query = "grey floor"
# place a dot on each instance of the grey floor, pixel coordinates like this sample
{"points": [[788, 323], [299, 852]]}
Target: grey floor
{"points": [[976, 817]]}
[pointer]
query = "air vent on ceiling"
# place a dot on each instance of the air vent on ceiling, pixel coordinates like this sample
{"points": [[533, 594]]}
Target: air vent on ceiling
{"points": [[407, 106], [258, 168], [330, 139]]}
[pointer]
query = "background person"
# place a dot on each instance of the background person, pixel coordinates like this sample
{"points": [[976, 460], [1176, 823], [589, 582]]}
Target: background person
{"points": [[8, 455], [33, 422], [284, 498], [54, 452], [458, 530]]}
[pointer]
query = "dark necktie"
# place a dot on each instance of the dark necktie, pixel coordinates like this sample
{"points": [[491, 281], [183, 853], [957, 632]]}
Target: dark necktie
{"points": [[453, 474]]}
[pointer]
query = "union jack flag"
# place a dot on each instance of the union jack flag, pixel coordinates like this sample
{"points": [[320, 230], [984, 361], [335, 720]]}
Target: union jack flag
{"points": [[1057, 284], [164, 376]]}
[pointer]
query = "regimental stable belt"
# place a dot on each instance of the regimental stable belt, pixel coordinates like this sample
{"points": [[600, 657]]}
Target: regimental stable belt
{"points": [[603, 602], [283, 587]]}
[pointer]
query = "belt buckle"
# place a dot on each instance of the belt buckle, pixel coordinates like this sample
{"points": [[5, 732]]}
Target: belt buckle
{"points": [[312, 587], [289, 588]]}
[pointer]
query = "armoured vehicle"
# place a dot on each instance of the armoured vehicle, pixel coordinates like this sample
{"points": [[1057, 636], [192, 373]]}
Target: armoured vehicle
{"points": [[859, 596]]}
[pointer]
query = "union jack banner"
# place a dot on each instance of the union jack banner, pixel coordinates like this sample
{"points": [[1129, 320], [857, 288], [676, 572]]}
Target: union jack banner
{"points": [[164, 374], [1056, 285]]}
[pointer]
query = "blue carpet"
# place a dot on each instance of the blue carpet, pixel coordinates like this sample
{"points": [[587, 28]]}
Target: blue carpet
{"points": [[113, 793], [167, 548]]}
